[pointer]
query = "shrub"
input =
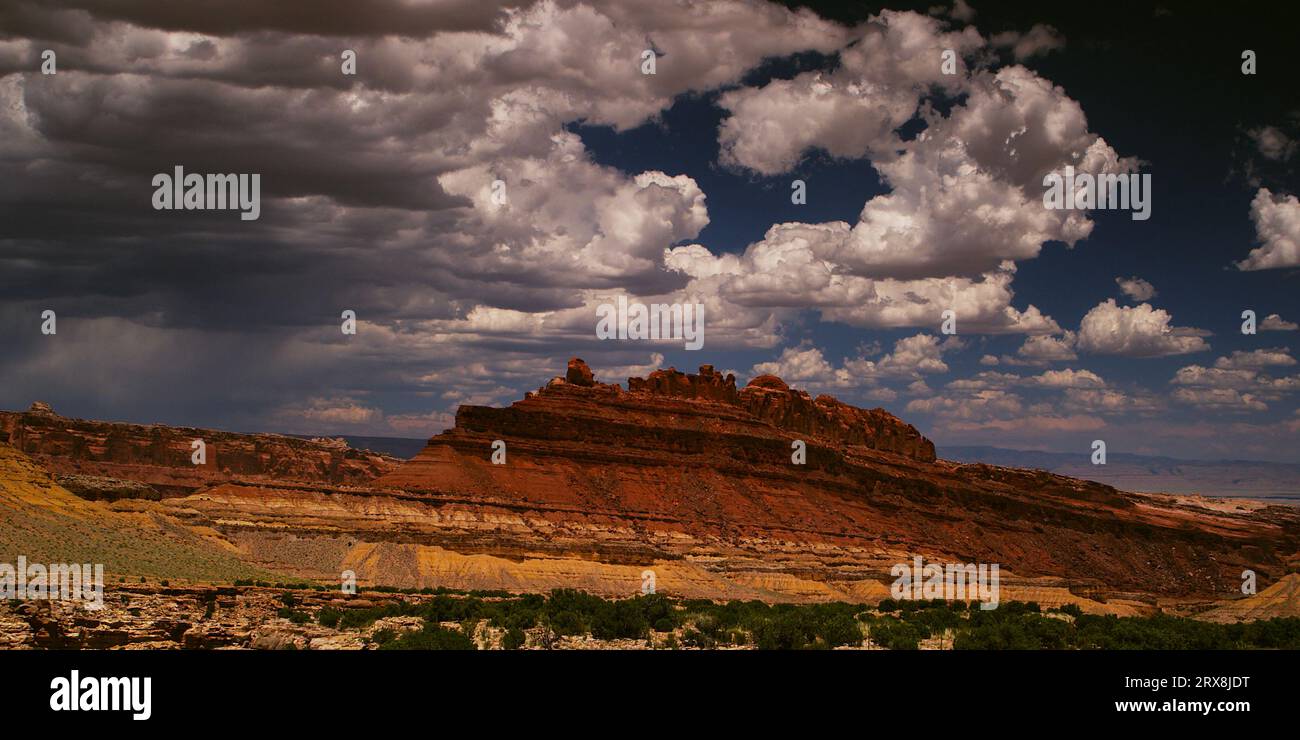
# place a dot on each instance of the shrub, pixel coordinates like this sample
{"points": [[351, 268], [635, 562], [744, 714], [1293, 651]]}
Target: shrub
{"points": [[566, 623], [293, 615], [839, 629], [621, 619], [896, 634], [786, 630], [513, 639], [1015, 632], [1072, 609], [696, 639], [432, 637]]}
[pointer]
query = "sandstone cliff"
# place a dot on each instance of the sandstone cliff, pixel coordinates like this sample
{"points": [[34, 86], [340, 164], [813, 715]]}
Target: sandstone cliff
{"points": [[44, 523], [1281, 599], [685, 466], [110, 460], [693, 478]]}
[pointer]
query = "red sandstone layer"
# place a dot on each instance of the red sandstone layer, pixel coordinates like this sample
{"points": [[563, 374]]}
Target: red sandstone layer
{"points": [[94, 458], [690, 456], [688, 475]]}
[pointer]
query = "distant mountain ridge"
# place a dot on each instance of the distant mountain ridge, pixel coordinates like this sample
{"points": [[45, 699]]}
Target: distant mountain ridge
{"points": [[1150, 473], [403, 448]]}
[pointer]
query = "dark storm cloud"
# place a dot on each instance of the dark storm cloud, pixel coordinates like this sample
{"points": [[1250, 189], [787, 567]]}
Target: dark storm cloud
{"points": [[351, 167], [306, 143], [33, 18], [256, 60]]}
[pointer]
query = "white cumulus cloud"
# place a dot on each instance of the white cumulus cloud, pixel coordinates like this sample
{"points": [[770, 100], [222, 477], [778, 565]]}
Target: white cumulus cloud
{"points": [[1277, 228], [1136, 331]]}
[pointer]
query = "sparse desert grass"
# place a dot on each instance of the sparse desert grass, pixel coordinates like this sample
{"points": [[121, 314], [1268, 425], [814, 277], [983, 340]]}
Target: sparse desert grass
{"points": [[46, 524]]}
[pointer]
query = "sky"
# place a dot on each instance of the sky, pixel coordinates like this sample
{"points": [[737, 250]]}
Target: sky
{"points": [[493, 172]]}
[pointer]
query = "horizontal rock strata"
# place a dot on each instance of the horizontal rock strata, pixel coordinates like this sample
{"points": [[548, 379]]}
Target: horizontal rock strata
{"points": [[686, 474], [100, 459]]}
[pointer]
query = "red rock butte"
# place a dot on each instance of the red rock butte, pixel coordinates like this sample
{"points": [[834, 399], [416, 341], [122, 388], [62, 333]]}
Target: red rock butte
{"points": [[680, 472], [684, 464]]}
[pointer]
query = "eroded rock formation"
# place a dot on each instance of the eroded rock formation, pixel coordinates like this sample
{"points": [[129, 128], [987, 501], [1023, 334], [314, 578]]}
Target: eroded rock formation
{"points": [[687, 475], [684, 466], [110, 460]]}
